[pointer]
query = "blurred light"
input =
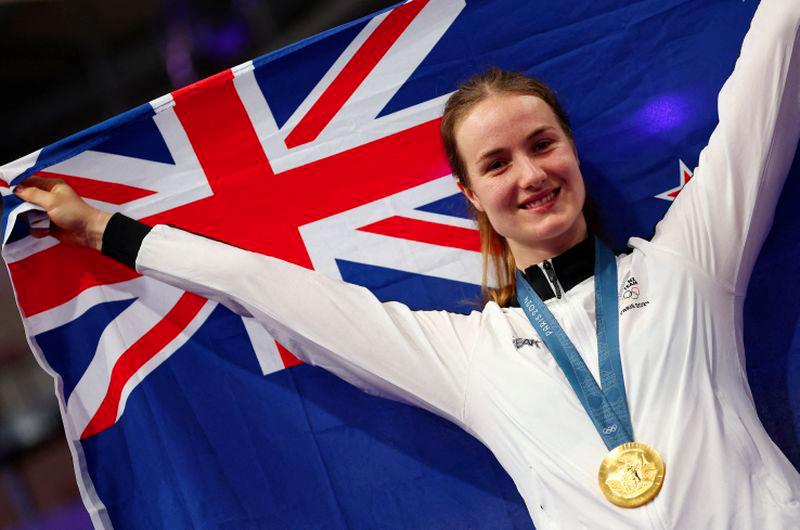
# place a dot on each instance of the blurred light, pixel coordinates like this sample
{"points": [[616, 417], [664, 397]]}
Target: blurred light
{"points": [[663, 113], [178, 56], [224, 41]]}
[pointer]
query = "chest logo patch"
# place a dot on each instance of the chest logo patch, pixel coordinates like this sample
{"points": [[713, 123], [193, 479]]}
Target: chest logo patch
{"points": [[631, 296]]}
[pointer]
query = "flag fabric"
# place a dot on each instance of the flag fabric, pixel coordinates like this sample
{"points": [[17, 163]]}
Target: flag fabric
{"points": [[181, 414]]}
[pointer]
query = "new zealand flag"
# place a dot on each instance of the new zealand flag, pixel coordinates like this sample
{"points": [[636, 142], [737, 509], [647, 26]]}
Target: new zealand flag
{"points": [[181, 414]]}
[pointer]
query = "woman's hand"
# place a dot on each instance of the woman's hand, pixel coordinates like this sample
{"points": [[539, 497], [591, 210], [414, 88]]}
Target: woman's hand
{"points": [[72, 220]]}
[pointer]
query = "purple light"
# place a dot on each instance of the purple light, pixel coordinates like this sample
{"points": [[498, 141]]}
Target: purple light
{"points": [[178, 56], [662, 113], [224, 41]]}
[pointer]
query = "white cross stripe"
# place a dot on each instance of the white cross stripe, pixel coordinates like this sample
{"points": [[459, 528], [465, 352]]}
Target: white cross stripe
{"points": [[264, 345], [164, 354], [355, 124], [12, 170], [72, 309], [175, 184], [338, 237], [155, 300]]}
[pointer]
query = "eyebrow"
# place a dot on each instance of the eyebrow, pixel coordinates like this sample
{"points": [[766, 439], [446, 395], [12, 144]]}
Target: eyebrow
{"points": [[534, 133]]}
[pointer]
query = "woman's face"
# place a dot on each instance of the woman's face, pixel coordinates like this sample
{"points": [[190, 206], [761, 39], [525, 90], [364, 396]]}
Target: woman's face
{"points": [[523, 172]]}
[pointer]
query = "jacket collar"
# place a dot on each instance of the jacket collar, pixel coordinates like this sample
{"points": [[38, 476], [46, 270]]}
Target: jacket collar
{"points": [[572, 267]]}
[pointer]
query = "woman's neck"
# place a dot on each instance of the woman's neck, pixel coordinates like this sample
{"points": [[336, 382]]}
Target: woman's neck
{"points": [[527, 255]]}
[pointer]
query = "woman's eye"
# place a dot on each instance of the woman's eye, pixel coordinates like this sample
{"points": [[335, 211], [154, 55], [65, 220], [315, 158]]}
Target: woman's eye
{"points": [[495, 165], [542, 144]]}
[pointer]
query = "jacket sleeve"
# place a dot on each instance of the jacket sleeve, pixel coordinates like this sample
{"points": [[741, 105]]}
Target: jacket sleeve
{"points": [[384, 348], [721, 217]]}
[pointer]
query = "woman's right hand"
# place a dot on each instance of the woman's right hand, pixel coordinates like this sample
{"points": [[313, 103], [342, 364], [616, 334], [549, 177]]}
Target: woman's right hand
{"points": [[72, 220]]}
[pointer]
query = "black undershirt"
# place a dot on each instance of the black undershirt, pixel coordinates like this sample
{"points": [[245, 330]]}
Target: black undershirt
{"points": [[571, 267]]}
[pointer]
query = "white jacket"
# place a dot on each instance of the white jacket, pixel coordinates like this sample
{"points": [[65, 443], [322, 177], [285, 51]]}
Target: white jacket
{"points": [[681, 340]]}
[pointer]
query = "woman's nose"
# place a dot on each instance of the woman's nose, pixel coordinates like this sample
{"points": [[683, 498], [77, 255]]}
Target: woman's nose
{"points": [[531, 173]]}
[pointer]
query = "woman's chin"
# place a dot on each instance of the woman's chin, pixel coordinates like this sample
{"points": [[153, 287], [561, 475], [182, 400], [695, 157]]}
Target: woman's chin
{"points": [[556, 232]]}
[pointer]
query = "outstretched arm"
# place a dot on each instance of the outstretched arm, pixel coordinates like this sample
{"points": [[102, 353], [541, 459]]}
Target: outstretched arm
{"points": [[419, 357], [723, 214]]}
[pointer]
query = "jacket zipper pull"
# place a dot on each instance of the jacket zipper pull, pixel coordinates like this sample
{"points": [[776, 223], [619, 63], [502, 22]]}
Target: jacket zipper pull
{"points": [[551, 275]]}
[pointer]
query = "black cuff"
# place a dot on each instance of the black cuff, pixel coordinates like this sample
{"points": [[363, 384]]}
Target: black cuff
{"points": [[123, 238]]}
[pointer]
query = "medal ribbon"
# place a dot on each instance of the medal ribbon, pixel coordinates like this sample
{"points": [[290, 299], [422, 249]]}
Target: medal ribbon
{"points": [[606, 403]]}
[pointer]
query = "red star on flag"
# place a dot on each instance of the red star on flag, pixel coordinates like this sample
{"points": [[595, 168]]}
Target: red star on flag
{"points": [[684, 175]]}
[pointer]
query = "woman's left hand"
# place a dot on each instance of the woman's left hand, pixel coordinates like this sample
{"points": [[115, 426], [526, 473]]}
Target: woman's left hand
{"points": [[72, 220]]}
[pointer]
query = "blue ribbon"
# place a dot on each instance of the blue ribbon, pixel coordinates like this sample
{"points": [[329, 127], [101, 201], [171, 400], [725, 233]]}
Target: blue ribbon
{"points": [[607, 406]]}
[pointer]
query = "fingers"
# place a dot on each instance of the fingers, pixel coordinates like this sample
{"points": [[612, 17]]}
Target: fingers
{"points": [[36, 189], [33, 195], [43, 183]]}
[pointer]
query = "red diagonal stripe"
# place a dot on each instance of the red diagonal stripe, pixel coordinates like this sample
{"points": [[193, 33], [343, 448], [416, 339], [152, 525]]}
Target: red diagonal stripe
{"points": [[287, 357], [138, 354], [110, 192], [221, 134], [4, 183], [53, 276], [426, 232], [354, 73]]}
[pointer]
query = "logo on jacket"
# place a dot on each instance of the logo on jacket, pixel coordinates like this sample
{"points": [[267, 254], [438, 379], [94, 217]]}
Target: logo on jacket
{"points": [[520, 342], [630, 295]]}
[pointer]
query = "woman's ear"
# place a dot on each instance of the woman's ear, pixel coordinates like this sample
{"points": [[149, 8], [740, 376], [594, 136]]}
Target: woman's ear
{"points": [[470, 195]]}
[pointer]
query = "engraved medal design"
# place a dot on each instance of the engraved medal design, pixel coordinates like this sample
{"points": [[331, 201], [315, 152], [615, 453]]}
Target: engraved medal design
{"points": [[631, 474]]}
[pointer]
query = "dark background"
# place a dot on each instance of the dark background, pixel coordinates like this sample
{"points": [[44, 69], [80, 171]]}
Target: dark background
{"points": [[67, 65]]}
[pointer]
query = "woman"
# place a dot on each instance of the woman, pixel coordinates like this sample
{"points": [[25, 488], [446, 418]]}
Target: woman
{"points": [[685, 392]]}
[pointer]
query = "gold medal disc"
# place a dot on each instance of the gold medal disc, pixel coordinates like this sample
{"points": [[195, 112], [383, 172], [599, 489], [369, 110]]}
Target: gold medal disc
{"points": [[631, 474]]}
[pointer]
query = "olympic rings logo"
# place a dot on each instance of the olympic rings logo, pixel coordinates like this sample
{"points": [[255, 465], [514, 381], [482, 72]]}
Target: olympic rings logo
{"points": [[611, 429], [632, 293]]}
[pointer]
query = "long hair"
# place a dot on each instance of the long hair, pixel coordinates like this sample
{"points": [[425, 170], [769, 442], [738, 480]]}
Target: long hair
{"points": [[498, 262]]}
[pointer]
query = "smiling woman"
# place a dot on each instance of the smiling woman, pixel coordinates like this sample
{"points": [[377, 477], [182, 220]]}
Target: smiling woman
{"points": [[511, 148], [522, 172], [630, 408]]}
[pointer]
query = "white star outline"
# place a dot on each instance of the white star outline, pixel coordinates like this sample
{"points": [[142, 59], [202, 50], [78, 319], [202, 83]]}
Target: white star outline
{"points": [[684, 175]]}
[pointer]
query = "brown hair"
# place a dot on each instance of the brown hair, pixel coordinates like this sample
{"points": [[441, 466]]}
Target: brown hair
{"points": [[494, 248]]}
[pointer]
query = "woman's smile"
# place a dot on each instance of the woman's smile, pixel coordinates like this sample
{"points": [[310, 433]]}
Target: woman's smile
{"points": [[541, 202]]}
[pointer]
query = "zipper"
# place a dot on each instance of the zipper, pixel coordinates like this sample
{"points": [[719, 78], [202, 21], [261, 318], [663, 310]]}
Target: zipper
{"points": [[550, 272]]}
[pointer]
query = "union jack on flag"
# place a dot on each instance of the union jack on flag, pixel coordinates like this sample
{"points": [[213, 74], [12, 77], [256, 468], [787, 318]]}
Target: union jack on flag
{"points": [[181, 414]]}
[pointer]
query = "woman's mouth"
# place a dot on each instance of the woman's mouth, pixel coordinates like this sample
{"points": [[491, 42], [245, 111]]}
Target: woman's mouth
{"points": [[540, 202]]}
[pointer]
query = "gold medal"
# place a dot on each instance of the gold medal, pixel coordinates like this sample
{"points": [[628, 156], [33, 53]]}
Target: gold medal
{"points": [[631, 474]]}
